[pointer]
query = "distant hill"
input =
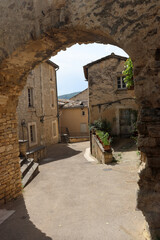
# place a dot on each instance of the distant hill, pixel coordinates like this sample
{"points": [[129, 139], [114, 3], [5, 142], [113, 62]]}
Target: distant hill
{"points": [[68, 96]]}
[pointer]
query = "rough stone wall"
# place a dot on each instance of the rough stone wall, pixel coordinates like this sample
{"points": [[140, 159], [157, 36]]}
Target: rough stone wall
{"points": [[32, 31], [10, 177], [102, 81], [39, 80], [84, 95]]}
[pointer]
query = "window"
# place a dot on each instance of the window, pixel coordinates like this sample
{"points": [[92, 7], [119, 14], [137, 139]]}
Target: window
{"points": [[32, 130], [83, 127], [52, 99], [83, 113], [30, 97], [51, 74], [54, 129], [120, 83], [32, 133]]}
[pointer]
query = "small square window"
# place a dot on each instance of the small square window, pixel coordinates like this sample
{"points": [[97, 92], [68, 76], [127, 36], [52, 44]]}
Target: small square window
{"points": [[120, 83], [83, 113]]}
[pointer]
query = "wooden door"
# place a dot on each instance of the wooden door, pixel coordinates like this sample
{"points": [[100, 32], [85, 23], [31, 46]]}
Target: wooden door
{"points": [[83, 127], [125, 121]]}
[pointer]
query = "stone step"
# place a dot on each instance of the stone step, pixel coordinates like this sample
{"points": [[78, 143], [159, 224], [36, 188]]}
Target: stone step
{"points": [[33, 171], [22, 161], [27, 164]]}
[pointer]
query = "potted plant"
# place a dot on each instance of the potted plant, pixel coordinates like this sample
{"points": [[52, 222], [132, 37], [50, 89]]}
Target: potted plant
{"points": [[99, 124], [105, 139], [99, 135]]}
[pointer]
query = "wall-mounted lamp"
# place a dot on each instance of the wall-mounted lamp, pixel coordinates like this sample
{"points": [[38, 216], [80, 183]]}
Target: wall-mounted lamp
{"points": [[42, 119], [23, 122]]}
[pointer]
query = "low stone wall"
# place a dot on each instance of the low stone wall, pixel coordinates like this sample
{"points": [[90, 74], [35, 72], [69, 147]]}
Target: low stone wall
{"points": [[99, 153], [37, 153], [78, 139]]}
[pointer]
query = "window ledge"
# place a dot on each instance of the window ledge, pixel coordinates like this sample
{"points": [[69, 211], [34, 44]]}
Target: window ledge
{"points": [[121, 91], [32, 144], [30, 109]]}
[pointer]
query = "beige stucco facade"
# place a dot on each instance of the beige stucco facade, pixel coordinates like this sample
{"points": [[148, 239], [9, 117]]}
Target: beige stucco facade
{"points": [[75, 120], [106, 100], [37, 107]]}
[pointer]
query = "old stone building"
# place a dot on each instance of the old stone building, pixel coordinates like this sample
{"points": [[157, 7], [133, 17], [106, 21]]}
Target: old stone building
{"points": [[84, 95], [108, 96], [37, 107], [32, 31]]}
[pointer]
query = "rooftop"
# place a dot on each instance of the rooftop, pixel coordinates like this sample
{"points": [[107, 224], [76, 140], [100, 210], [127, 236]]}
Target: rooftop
{"points": [[52, 64], [65, 103], [85, 68], [79, 93]]}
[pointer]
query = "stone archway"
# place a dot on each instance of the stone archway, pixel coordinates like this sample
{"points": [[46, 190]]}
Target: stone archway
{"points": [[32, 31]]}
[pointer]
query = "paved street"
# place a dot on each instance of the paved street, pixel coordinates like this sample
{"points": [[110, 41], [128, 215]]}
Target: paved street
{"points": [[73, 199]]}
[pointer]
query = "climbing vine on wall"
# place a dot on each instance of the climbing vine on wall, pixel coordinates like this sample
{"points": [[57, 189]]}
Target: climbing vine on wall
{"points": [[128, 72]]}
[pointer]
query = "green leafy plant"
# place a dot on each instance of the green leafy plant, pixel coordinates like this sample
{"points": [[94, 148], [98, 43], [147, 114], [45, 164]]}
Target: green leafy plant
{"points": [[104, 136], [128, 73], [102, 125]]}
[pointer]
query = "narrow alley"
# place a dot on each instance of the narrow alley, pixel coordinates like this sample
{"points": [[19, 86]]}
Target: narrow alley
{"points": [[74, 199]]}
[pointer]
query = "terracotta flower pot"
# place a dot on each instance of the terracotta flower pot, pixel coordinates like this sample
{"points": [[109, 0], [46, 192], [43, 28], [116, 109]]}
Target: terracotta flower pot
{"points": [[107, 147]]}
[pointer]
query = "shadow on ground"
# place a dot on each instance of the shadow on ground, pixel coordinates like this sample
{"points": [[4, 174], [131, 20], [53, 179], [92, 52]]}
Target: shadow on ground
{"points": [[18, 226], [124, 144], [57, 152]]}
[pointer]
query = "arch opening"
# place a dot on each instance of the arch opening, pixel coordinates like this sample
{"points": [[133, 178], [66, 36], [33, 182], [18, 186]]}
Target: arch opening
{"points": [[48, 28]]}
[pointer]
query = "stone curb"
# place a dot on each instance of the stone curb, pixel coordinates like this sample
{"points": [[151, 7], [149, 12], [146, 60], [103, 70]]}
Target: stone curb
{"points": [[89, 157]]}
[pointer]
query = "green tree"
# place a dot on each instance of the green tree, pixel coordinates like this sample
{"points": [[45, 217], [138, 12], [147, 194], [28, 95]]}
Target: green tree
{"points": [[128, 73]]}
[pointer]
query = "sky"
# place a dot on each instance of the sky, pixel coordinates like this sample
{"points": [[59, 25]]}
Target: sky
{"points": [[70, 76]]}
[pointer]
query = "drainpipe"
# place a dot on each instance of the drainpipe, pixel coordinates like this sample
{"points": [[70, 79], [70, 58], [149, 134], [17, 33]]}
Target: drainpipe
{"points": [[57, 114], [42, 106], [41, 90]]}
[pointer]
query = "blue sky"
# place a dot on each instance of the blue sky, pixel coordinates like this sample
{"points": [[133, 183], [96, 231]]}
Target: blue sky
{"points": [[70, 76]]}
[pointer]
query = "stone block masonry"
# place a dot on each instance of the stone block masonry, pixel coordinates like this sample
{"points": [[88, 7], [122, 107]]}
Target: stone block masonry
{"points": [[99, 153], [10, 177], [32, 31]]}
